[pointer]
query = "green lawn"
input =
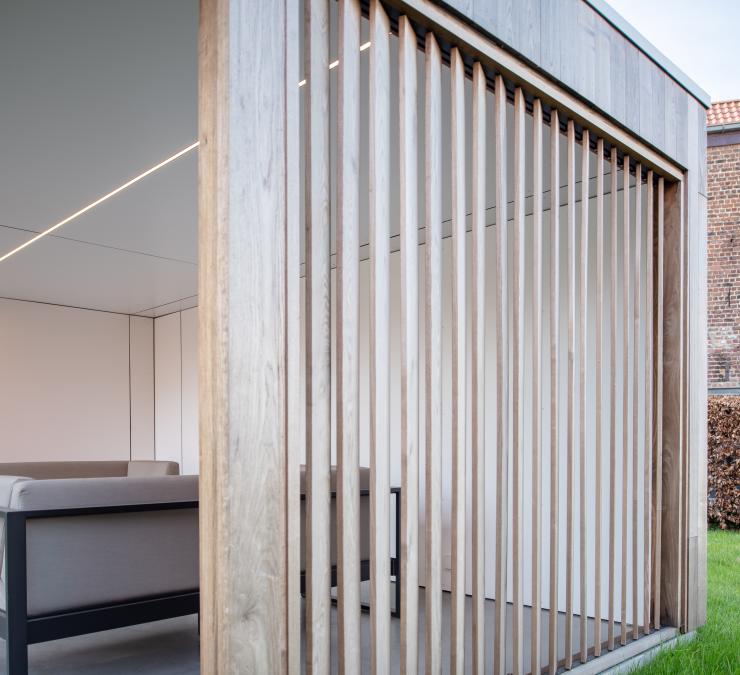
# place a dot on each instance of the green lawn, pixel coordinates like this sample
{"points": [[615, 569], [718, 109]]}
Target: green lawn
{"points": [[716, 648]]}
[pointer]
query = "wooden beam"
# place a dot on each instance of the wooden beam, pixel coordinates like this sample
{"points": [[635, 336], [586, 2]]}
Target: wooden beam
{"points": [[348, 339], [295, 416], [626, 412], [672, 528], [380, 139], [552, 658], [637, 318], [536, 467], [409, 224], [598, 365], [242, 335], [571, 423], [659, 374], [433, 328], [582, 366], [502, 380], [648, 521], [478, 367], [613, 168], [517, 393], [459, 362]]}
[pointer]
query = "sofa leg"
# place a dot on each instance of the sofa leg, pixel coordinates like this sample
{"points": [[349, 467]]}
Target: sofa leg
{"points": [[17, 652], [16, 639]]}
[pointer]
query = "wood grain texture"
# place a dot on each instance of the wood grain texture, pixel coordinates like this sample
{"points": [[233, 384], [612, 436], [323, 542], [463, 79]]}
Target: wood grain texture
{"points": [[502, 380], [409, 224], [599, 412], [348, 339], [582, 368], [242, 333], [433, 355], [571, 414], [380, 141], [659, 342], [552, 655], [478, 368], [517, 394], [649, 403], [626, 362], [613, 271], [537, 310], [296, 408], [459, 362], [318, 341], [636, 438], [672, 508]]}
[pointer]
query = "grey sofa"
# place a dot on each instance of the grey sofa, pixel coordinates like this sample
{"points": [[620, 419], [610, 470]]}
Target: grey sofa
{"points": [[94, 545]]}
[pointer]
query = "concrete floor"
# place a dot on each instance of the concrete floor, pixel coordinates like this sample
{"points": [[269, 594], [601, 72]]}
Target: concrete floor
{"points": [[171, 647]]}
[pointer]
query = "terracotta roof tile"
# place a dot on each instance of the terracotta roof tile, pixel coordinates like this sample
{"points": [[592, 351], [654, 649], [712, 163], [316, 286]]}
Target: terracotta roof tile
{"points": [[723, 112]]}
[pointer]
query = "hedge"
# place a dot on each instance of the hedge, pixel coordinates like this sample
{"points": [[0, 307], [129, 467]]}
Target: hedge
{"points": [[723, 488]]}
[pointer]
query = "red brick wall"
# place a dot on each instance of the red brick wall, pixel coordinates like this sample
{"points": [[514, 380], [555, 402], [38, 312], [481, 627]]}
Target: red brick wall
{"points": [[723, 192]]}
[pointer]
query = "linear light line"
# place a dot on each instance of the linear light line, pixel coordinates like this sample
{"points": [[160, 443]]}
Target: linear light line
{"points": [[131, 182], [100, 200], [334, 64]]}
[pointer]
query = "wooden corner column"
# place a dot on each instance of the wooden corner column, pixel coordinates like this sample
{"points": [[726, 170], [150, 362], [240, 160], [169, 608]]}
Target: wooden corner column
{"points": [[242, 299]]}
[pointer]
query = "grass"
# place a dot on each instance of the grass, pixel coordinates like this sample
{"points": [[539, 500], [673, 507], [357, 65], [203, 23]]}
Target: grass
{"points": [[716, 648]]}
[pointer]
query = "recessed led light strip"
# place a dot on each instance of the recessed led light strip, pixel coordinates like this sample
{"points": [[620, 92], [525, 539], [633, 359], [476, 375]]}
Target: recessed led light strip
{"points": [[100, 200], [334, 64], [129, 183]]}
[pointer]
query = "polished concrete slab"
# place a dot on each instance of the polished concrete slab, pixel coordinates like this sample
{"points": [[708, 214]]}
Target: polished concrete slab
{"points": [[172, 648]]}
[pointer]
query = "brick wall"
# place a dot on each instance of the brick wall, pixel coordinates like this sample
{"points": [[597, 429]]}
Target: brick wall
{"points": [[723, 183]]}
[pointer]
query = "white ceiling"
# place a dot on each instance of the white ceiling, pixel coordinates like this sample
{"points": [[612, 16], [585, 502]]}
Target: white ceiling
{"points": [[95, 92]]}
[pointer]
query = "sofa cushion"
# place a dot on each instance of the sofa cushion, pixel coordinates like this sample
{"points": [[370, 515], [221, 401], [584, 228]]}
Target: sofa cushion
{"points": [[151, 468]]}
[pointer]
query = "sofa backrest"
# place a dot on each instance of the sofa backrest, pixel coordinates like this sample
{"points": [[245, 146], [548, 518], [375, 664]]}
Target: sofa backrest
{"points": [[51, 470]]}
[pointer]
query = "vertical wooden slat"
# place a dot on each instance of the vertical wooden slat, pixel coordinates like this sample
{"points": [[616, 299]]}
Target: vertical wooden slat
{"points": [[582, 365], [409, 224], [658, 509], [598, 365], [433, 328], [537, 172], [459, 362], [502, 380], [347, 340], [649, 405], [552, 657], [295, 408], [478, 366], [637, 275], [318, 337], [673, 532], [517, 393], [242, 211], [613, 168], [379, 339], [626, 350], [571, 439]]}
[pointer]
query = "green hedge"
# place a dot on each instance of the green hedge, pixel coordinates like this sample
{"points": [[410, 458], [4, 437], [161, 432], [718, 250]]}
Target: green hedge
{"points": [[723, 488]]}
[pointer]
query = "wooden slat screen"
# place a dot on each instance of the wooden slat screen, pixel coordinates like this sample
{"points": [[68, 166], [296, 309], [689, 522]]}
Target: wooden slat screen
{"points": [[527, 350]]}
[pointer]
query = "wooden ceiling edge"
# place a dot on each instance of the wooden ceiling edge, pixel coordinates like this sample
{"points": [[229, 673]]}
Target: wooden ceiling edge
{"points": [[474, 44]]}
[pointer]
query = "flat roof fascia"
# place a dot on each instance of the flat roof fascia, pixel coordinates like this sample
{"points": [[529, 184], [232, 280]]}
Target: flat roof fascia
{"points": [[608, 13]]}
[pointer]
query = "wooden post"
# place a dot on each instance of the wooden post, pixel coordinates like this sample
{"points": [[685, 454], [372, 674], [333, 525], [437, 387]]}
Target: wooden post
{"points": [[242, 288]]}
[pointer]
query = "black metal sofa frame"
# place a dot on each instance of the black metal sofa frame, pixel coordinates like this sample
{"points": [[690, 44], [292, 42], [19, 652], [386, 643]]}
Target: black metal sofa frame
{"points": [[20, 630]]}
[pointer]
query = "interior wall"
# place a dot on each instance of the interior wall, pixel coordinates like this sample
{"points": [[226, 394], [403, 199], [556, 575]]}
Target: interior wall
{"points": [[76, 384], [176, 389]]}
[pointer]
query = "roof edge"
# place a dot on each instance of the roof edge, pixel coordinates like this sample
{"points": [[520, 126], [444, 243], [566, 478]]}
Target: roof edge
{"points": [[618, 22], [723, 128]]}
